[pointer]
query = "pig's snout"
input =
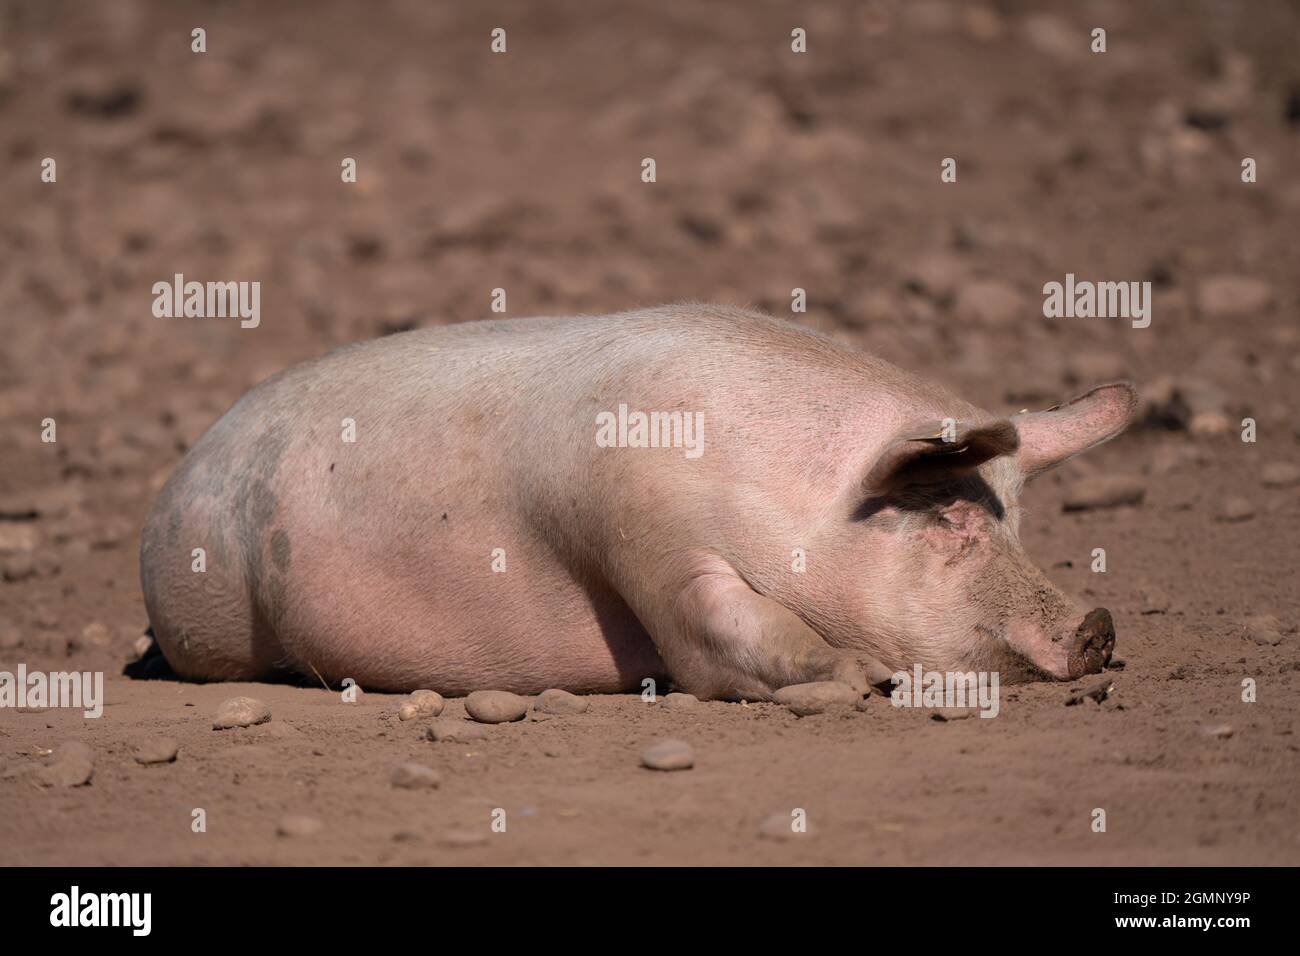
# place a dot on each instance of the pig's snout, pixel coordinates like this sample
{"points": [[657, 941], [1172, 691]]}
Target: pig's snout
{"points": [[1092, 644]]}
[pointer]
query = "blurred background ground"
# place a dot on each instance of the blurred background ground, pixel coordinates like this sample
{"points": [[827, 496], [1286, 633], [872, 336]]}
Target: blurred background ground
{"points": [[775, 171]]}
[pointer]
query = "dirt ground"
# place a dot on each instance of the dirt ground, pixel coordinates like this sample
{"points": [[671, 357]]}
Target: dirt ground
{"points": [[774, 170]]}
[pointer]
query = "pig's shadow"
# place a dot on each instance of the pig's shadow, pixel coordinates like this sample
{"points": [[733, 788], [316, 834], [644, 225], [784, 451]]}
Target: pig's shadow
{"points": [[152, 665], [923, 498]]}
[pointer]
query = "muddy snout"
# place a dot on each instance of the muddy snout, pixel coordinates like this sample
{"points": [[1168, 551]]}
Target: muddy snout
{"points": [[1092, 643]]}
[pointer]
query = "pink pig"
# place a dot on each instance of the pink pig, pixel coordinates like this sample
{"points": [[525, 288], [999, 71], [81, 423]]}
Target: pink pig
{"points": [[504, 518]]}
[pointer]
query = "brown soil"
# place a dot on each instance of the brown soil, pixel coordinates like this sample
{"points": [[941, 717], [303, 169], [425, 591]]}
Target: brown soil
{"points": [[775, 170]]}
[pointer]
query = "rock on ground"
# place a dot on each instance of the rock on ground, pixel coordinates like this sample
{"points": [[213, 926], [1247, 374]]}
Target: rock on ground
{"points": [[668, 755], [241, 712], [495, 706]]}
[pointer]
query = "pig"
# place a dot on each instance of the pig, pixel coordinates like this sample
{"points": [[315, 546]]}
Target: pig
{"points": [[454, 508]]}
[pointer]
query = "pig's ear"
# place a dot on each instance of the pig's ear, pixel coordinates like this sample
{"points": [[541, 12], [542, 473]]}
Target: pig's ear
{"points": [[1049, 438], [925, 456]]}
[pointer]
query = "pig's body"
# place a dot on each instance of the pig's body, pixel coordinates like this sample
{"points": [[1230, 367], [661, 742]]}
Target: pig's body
{"points": [[375, 559]]}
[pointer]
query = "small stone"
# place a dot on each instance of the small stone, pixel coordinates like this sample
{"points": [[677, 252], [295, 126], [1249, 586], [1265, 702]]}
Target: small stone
{"points": [[96, 634], [1153, 600], [297, 825], [241, 712], [414, 776], [1210, 424], [1263, 629], [817, 697], [72, 765], [1280, 474], [991, 302], [668, 755], [408, 711], [459, 731], [1103, 491], [1234, 509], [677, 701], [780, 826], [934, 274], [18, 567], [1218, 731], [18, 537], [428, 702], [952, 713], [141, 647], [151, 750], [1229, 296], [560, 702], [1096, 692], [462, 839], [495, 706]]}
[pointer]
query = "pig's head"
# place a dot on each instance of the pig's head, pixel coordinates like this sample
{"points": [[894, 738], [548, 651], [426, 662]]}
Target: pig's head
{"points": [[940, 577]]}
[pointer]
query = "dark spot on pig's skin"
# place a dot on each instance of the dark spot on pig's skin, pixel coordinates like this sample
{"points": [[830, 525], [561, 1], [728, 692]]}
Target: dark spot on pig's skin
{"points": [[331, 466], [256, 502], [280, 550]]}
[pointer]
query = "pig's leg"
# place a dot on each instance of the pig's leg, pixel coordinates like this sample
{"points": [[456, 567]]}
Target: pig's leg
{"points": [[721, 638]]}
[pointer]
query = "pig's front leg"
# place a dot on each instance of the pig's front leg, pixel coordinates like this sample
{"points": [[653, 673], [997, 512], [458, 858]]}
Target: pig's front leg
{"points": [[721, 638]]}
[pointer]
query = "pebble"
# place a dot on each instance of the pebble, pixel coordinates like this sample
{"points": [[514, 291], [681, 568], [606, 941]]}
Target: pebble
{"points": [[935, 274], [241, 712], [1176, 457], [462, 839], [780, 826], [495, 706], [677, 701], [415, 776], [1096, 692], [1234, 509], [96, 634], [428, 702], [560, 702], [1103, 491], [953, 713], [460, 731], [1219, 731], [1209, 424], [72, 765], [1280, 474], [668, 755], [18, 537], [991, 301], [817, 697], [1263, 629], [150, 750], [408, 711], [1154, 600], [297, 825], [18, 567], [1228, 296]]}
